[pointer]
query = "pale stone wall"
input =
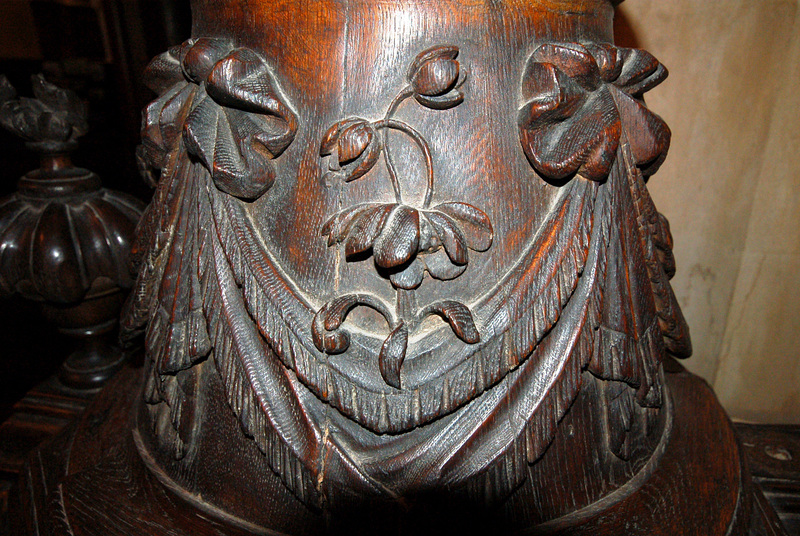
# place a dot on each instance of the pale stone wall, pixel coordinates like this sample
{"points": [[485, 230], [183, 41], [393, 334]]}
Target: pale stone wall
{"points": [[731, 188]]}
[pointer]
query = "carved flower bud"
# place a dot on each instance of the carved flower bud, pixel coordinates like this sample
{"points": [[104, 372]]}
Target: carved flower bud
{"points": [[353, 141], [356, 147], [435, 76]]}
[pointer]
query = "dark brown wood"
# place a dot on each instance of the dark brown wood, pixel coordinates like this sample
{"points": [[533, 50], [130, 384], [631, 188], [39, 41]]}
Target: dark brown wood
{"points": [[39, 416], [64, 240], [402, 273]]}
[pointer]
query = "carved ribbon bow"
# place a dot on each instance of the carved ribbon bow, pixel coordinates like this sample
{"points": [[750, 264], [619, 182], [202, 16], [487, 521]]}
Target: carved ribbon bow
{"points": [[225, 104], [581, 99]]}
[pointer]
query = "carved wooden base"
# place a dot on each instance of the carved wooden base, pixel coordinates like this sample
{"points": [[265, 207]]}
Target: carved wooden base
{"points": [[92, 480]]}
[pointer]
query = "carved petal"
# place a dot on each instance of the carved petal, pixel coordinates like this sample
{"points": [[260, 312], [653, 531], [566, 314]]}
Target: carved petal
{"points": [[363, 163], [452, 239], [411, 277], [365, 229], [338, 227], [436, 77], [474, 224], [458, 316], [399, 240], [353, 141], [440, 266], [331, 136], [441, 102], [393, 353], [430, 54]]}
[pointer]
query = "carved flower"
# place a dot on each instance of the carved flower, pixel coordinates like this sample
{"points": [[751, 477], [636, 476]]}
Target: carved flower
{"points": [[435, 77], [354, 147], [225, 106], [581, 100], [395, 234]]}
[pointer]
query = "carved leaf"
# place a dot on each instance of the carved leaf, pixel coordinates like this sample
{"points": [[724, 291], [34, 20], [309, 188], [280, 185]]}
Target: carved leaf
{"points": [[458, 316], [392, 355]]}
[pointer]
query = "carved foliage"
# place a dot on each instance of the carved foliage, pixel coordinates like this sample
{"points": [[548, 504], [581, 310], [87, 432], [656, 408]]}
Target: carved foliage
{"points": [[580, 101], [404, 241], [226, 106]]}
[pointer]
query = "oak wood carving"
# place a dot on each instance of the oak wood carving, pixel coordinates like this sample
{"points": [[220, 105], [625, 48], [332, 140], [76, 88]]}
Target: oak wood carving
{"points": [[402, 273]]}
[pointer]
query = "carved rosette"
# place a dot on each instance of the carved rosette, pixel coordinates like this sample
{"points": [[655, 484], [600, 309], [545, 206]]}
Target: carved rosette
{"points": [[467, 405]]}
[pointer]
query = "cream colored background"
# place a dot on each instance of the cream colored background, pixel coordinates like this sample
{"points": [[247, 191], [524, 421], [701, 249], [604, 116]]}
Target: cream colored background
{"points": [[731, 188]]}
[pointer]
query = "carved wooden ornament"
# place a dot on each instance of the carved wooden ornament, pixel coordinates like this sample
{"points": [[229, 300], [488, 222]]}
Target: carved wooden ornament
{"points": [[403, 271]]}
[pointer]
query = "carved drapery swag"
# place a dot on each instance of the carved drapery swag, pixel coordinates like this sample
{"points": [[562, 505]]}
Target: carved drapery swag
{"points": [[467, 403]]}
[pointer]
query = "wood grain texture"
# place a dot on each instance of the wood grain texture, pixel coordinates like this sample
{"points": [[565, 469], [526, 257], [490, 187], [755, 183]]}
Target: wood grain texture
{"points": [[402, 264]]}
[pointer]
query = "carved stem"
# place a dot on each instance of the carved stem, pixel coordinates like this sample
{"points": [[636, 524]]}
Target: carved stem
{"points": [[403, 95], [420, 141]]}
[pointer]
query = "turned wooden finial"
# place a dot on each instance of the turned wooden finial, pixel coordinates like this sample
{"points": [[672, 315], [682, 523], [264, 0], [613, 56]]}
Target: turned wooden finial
{"points": [[65, 240]]}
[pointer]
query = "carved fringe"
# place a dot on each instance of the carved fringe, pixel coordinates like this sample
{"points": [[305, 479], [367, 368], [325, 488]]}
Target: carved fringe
{"points": [[228, 357], [543, 295], [510, 469]]}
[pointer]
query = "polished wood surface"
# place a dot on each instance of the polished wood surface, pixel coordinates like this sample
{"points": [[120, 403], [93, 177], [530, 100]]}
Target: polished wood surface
{"points": [[402, 273]]}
